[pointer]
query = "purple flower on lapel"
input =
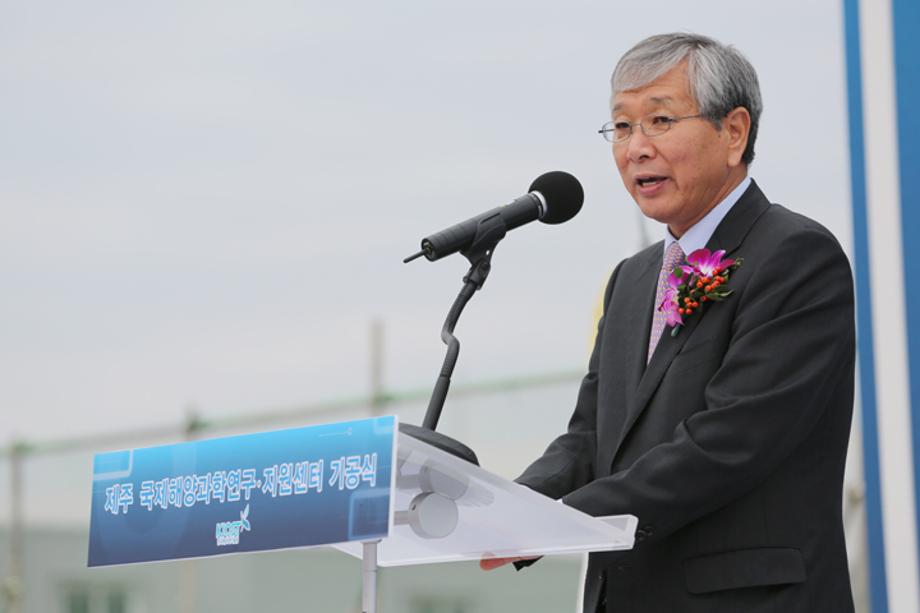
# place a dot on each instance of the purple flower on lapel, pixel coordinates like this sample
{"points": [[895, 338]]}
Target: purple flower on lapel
{"points": [[670, 308], [702, 279], [705, 264]]}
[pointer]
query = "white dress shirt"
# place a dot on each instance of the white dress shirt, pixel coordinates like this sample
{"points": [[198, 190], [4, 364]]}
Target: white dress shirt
{"points": [[697, 236]]}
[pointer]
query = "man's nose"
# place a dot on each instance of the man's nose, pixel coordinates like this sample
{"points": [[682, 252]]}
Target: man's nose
{"points": [[639, 146]]}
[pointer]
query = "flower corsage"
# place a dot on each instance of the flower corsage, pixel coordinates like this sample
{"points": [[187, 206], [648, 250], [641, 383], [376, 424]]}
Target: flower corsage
{"points": [[701, 279]]}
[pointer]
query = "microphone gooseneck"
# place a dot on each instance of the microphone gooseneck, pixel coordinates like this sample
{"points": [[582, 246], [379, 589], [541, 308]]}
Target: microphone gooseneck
{"points": [[553, 198]]}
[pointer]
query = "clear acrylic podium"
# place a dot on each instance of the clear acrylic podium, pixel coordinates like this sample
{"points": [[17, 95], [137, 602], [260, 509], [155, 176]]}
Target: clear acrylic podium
{"points": [[448, 510]]}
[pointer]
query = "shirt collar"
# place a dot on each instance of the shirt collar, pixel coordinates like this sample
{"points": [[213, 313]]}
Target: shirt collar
{"points": [[697, 236]]}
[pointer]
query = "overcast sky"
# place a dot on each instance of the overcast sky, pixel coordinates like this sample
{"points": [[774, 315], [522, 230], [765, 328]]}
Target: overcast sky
{"points": [[207, 202]]}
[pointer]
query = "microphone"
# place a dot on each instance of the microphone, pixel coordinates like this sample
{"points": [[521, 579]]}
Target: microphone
{"points": [[554, 197]]}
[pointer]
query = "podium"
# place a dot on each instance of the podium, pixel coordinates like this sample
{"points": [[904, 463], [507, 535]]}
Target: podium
{"points": [[363, 487], [449, 510]]}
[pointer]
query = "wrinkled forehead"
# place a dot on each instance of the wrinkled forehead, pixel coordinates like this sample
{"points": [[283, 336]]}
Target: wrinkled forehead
{"points": [[670, 91]]}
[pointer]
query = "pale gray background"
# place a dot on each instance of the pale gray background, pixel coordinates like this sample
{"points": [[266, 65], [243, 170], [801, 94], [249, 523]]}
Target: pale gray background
{"points": [[206, 202]]}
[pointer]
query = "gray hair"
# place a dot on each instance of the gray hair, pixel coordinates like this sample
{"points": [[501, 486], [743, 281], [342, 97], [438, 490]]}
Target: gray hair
{"points": [[721, 79]]}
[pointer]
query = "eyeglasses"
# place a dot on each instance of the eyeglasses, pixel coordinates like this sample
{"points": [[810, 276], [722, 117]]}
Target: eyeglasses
{"points": [[652, 125]]}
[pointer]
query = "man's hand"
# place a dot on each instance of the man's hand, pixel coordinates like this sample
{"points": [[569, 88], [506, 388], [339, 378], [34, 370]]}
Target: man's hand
{"points": [[492, 563]]}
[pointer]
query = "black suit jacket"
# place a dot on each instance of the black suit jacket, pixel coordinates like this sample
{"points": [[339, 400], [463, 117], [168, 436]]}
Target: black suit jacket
{"points": [[730, 445]]}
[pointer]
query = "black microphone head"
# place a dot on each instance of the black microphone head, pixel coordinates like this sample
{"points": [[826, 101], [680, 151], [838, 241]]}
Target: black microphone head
{"points": [[563, 195]]}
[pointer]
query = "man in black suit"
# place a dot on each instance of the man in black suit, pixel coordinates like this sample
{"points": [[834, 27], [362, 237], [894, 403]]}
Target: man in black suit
{"points": [[727, 439]]}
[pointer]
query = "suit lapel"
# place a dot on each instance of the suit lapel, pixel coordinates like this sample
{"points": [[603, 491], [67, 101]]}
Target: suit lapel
{"points": [[636, 349], [628, 334], [728, 236]]}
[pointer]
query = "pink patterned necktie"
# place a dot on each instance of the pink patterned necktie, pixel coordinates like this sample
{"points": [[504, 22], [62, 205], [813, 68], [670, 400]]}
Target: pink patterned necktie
{"points": [[672, 257]]}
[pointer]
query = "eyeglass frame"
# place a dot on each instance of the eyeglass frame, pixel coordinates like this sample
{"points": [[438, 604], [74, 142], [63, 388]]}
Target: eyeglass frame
{"points": [[605, 130]]}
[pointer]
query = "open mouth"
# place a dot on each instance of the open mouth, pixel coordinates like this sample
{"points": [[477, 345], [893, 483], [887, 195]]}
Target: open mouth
{"points": [[649, 181]]}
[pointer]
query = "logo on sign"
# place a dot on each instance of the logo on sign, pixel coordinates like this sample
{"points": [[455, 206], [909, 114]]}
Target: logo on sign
{"points": [[228, 532]]}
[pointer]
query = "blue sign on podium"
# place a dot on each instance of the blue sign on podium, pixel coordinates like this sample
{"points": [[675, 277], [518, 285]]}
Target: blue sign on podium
{"points": [[300, 487]]}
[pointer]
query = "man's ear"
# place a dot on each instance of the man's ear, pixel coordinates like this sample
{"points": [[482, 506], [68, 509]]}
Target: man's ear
{"points": [[737, 129]]}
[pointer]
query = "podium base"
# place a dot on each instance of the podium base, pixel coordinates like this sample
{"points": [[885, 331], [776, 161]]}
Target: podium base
{"points": [[369, 577]]}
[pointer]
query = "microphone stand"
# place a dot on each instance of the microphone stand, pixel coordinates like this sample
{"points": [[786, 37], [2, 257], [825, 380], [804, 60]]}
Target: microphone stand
{"points": [[489, 232]]}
